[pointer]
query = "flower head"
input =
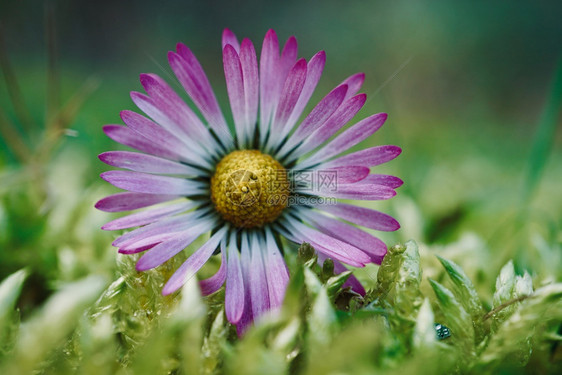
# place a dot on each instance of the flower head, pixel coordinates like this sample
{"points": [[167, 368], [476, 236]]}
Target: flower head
{"points": [[274, 173]]}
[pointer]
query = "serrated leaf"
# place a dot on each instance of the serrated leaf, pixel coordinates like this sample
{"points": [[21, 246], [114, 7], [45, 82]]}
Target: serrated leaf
{"points": [[457, 319], [509, 287], [523, 285], [465, 292], [504, 284], [463, 288], [526, 325]]}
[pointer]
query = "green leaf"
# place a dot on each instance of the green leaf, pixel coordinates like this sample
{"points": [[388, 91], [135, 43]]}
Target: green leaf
{"points": [[424, 332], [287, 337], [327, 269], [10, 290], [408, 297], [98, 345], [464, 291], [504, 284], [48, 328], [213, 344], [306, 254], [312, 283], [387, 273], [509, 289], [173, 342], [524, 327], [523, 285], [322, 319], [457, 319], [334, 283]]}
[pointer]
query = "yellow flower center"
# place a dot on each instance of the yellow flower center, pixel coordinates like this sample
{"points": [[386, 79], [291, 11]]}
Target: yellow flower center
{"points": [[249, 188]]}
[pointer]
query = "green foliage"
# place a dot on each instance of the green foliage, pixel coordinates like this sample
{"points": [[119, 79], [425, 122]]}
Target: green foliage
{"points": [[128, 327]]}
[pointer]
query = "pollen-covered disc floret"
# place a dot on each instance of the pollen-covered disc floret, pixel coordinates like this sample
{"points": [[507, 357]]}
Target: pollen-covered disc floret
{"points": [[249, 188]]}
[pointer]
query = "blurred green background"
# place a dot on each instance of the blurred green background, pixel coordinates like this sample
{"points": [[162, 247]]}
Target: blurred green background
{"points": [[467, 85]]}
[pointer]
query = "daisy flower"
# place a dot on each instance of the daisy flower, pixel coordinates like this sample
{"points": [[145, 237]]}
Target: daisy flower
{"points": [[275, 172]]}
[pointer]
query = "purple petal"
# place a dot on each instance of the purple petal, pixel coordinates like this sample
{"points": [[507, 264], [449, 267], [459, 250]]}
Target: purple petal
{"points": [[247, 316], [234, 293], [349, 138], [190, 267], [228, 37], [148, 216], [165, 225], [328, 245], [290, 94], [146, 163], [159, 136], [354, 83], [235, 88], [180, 117], [318, 116], [164, 251], [151, 184], [136, 250], [288, 59], [259, 291], [313, 74], [369, 157], [357, 191], [347, 175], [382, 179], [193, 79], [341, 117], [152, 109], [269, 71], [276, 271], [249, 62], [321, 113], [131, 201], [128, 137], [365, 217], [212, 284], [146, 242], [371, 245], [167, 249], [158, 231]]}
